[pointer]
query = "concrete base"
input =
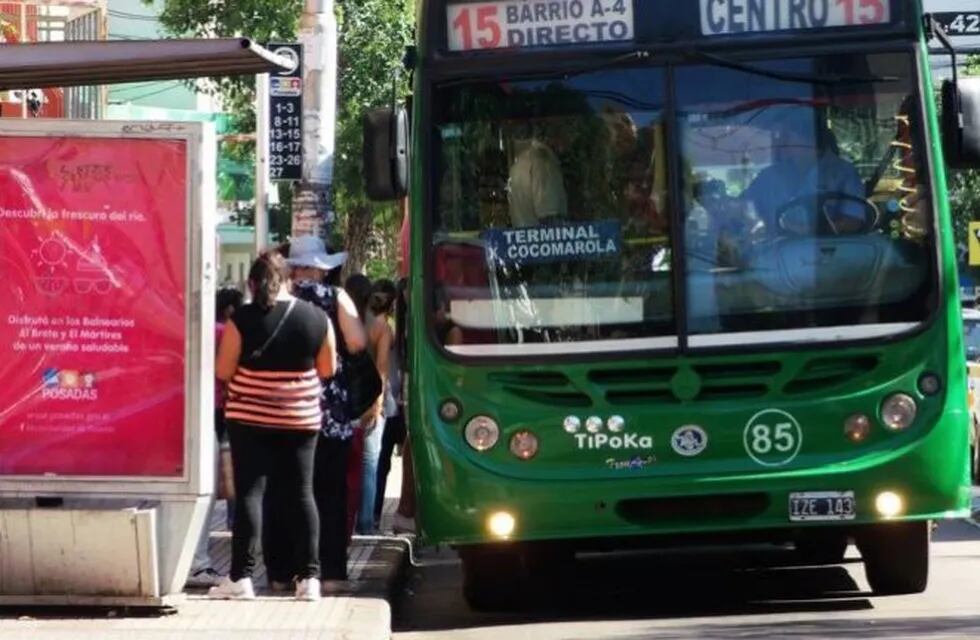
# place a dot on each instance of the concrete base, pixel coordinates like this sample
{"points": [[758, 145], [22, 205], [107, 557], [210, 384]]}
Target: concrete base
{"points": [[99, 552]]}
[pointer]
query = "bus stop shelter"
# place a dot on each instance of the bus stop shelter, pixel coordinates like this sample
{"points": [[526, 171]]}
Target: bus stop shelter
{"points": [[83, 520]]}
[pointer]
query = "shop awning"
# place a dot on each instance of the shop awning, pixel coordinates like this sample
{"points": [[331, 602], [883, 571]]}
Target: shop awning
{"points": [[79, 63]]}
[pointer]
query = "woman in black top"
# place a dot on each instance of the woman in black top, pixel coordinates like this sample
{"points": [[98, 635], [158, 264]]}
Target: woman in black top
{"points": [[273, 354]]}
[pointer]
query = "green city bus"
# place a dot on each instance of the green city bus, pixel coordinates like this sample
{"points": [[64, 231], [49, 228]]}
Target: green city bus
{"points": [[680, 273]]}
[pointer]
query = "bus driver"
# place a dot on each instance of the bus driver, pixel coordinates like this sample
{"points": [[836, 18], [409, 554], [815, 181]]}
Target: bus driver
{"points": [[806, 164]]}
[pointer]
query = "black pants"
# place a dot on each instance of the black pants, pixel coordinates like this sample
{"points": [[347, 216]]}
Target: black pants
{"points": [[330, 491], [395, 434], [283, 460]]}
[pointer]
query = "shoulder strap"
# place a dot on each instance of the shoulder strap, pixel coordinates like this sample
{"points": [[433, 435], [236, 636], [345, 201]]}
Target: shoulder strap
{"points": [[255, 355], [333, 312]]}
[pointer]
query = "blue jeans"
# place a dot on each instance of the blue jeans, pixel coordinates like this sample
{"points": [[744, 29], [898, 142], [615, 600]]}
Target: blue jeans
{"points": [[369, 479]]}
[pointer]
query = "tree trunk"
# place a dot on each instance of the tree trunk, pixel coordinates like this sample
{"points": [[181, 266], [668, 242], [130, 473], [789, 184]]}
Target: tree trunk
{"points": [[357, 235]]}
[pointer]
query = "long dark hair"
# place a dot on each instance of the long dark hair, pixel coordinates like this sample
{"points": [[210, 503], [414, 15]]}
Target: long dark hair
{"points": [[266, 277], [383, 297], [358, 287]]}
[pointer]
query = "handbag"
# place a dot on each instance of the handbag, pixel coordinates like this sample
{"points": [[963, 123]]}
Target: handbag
{"points": [[363, 381]]}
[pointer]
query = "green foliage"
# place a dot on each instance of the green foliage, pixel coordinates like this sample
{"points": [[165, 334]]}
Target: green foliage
{"points": [[373, 35], [260, 20]]}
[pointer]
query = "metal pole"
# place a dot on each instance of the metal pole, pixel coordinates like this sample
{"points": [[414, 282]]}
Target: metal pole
{"points": [[261, 162], [313, 201]]}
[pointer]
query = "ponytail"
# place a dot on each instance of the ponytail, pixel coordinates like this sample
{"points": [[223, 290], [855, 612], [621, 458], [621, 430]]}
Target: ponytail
{"points": [[266, 277]]}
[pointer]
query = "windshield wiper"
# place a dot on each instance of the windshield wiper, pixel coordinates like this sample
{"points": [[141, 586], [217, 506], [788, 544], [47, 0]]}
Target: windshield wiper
{"points": [[803, 78], [632, 56]]}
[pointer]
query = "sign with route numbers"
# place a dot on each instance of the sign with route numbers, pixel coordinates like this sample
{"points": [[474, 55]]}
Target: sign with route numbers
{"points": [[723, 17], [286, 116], [959, 23], [538, 23], [773, 438]]}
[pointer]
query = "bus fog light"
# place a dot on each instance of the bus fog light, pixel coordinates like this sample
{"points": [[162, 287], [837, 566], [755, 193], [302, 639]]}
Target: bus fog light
{"points": [[889, 504], [616, 424], [593, 424], [524, 445], [898, 412], [930, 384], [501, 525], [450, 411], [482, 433], [857, 427], [572, 424]]}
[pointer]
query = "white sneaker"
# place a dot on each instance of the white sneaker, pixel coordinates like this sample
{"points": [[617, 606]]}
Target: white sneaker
{"points": [[402, 524], [308, 590], [229, 589]]}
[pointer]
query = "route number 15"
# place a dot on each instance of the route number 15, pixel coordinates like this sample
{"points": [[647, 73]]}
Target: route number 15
{"points": [[476, 28]]}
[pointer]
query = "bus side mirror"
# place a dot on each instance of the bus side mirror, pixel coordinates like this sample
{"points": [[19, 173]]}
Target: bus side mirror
{"points": [[961, 123], [386, 154]]}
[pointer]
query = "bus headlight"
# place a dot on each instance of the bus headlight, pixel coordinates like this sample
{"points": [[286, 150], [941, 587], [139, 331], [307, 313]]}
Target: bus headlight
{"points": [[524, 445], [898, 412], [450, 411], [857, 427], [482, 433], [889, 504], [593, 424], [930, 384], [501, 525]]}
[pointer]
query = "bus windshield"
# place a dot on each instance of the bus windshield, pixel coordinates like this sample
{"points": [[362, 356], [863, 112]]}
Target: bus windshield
{"points": [[804, 206]]}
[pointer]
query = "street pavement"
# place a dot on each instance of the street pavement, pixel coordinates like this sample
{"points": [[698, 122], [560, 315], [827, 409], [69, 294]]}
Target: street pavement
{"points": [[709, 595]]}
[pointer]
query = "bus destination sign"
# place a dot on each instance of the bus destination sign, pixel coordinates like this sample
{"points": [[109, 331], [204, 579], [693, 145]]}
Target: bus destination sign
{"points": [[538, 23], [722, 17]]}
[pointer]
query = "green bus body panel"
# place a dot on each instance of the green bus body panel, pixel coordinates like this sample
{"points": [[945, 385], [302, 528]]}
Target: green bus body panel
{"points": [[567, 493]]}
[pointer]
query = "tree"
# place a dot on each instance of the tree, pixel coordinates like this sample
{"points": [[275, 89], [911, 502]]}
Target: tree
{"points": [[372, 39]]}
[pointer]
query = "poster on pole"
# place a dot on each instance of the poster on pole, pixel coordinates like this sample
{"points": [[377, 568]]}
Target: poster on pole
{"points": [[94, 254]]}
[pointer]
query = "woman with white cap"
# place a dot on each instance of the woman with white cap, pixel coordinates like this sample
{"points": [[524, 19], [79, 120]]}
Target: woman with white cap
{"points": [[312, 267]]}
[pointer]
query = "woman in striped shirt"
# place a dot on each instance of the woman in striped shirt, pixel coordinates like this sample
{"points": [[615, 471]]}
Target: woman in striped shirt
{"points": [[273, 354]]}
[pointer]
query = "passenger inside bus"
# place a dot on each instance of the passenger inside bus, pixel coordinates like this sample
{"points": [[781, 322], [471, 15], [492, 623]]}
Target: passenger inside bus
{"points": [[536, 186]]}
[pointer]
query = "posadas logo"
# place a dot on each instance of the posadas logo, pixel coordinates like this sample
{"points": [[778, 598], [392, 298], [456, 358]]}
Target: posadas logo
{"points": [[69, 385]]}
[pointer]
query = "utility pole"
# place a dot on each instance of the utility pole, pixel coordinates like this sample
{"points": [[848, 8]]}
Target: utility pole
{"points": [[261, 162], [313, 201]]}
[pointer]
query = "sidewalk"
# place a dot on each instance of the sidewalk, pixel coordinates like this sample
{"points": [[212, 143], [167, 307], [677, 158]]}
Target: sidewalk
{"points": [[363, 614]]}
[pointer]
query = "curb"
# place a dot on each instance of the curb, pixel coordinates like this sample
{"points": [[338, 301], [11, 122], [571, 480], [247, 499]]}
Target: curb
{"points": [[378, 577]]}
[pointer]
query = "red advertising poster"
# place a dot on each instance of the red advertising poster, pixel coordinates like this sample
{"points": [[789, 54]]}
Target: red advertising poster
{"points": [[92, 332]]}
